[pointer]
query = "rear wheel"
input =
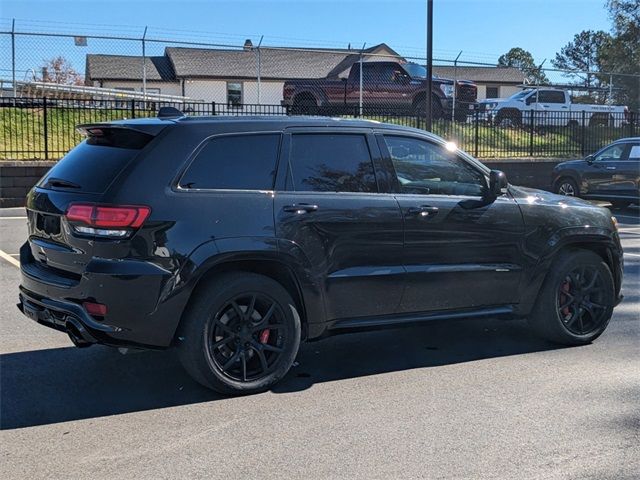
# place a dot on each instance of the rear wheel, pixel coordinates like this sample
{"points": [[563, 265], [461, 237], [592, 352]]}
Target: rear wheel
{"points": [[240, 334], [576, 301]]}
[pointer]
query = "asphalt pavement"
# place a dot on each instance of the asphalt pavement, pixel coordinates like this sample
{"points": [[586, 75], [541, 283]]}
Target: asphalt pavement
{"points": [[456, 400]]}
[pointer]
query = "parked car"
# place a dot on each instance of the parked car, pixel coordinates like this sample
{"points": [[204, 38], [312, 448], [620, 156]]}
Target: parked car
{"points": [[549, 107], [385, 85], [612, 173], [234, 239]]}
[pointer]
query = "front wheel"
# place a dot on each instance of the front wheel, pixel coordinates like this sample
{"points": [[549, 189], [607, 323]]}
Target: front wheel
{"points": [[576, 301], [240, 335], [567, 187]]}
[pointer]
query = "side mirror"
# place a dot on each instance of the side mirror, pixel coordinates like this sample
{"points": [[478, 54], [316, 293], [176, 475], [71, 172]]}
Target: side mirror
{"points": [[589, 159], [497, 183]]}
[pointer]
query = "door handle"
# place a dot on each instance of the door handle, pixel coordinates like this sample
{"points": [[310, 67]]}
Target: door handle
{"points": [[611, 168], [423, 211], [300, 208]]}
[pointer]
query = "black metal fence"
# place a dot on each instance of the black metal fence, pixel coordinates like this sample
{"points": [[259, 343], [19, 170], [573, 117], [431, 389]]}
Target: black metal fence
{"points": [[42, 128]]}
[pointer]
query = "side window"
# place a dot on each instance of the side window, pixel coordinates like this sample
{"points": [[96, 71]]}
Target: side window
{"points": [[236, 162], [634, 153], [426, 168], [551, 96], [612, 153], [493, 91], [330, 163], [234, 94]]}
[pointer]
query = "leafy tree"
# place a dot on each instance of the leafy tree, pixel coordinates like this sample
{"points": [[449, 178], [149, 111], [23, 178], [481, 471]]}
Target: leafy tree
{"points": [[59, 70], [583, 54], [520, 58], [621, 54]]}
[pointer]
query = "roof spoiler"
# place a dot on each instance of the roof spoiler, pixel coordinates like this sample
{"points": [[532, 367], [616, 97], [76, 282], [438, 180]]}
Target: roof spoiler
{"points": [[169, 112]]}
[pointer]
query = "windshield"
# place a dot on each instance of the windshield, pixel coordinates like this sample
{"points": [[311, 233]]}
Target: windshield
{"points": [[521, 95], [415, 71]]}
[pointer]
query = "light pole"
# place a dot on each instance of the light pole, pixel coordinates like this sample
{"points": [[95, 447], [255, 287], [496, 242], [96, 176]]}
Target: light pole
{"points": [[428, 101]]}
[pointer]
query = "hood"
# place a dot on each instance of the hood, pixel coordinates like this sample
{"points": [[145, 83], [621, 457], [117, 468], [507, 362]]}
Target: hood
{"points": [[493, 100], [532, 196], [570, 163]]}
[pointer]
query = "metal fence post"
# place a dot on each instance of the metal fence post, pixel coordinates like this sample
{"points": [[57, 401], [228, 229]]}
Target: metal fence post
{"points": [[259, 67], [133, 108], [360, 93], [476, 132], [582, 133], [532, 120], [144, 65], [45, 128], [13, 58]]}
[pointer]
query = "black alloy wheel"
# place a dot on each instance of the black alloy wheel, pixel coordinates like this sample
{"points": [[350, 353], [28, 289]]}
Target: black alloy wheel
{"points": [[581, 300], [246, 337], [241, 333]]}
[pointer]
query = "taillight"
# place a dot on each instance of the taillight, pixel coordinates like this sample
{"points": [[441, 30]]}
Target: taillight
{"points": [[106, 220]]}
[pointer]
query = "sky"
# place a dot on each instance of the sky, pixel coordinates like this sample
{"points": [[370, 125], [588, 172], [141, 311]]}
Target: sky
{"points": [[481, 29]]}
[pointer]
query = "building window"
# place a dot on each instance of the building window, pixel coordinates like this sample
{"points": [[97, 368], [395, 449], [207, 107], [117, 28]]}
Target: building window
{"points": [[493, 91], [234, 94]]}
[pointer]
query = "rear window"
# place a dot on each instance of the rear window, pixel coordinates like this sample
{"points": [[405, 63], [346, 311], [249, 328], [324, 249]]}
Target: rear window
{"points": [[92, 165], [236, 162]]}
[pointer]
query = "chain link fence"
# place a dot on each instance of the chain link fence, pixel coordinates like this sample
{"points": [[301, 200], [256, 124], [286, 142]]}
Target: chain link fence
{"points": [[52, 78]]}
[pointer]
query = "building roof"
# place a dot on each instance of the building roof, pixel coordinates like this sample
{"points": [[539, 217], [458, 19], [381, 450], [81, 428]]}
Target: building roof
{"points": [[481, 74], [124, 67], [275, 63]]}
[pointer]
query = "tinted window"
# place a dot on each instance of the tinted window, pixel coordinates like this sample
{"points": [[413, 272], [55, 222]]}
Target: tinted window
{"points": [[614, 152], [550, 96], [93, 164], [237, 162], [426, 168], [330, 163]]}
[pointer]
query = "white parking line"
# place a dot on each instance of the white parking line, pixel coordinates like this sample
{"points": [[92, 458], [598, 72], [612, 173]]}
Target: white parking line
{"points": [[13, 218], [4, 255], [633, 254]]}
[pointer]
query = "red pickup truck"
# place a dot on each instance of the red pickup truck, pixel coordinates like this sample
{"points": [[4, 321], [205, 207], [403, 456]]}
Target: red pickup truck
{"points": [[385, 86]]}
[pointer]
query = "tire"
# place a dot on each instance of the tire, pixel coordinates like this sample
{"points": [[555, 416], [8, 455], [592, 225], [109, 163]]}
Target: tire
{"points": [[304, 104], [222, 339], [508, 118], [420, 108], [566, 312], [567, 186]]}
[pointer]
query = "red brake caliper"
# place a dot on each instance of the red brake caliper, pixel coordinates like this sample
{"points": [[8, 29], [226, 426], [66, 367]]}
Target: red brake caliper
{"points": [[565, 288], [264, 335]]}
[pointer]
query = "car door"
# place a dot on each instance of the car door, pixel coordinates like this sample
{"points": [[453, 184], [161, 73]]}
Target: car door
{"points": [[460, 250], [629, 172], [327, 204], [600, 174]]}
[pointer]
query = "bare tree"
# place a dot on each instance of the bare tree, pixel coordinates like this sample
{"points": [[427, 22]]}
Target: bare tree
{"points": [[59, 70]]}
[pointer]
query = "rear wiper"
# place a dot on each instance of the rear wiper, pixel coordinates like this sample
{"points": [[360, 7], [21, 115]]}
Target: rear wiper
{"points": [[59, 182]]}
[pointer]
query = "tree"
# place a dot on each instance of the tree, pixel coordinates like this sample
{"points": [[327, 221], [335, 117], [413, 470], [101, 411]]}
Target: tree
{"points": [[520, 58], [583, 55], [59, 70], [621, 54]]}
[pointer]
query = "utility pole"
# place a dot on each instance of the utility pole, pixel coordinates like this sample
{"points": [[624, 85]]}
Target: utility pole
{"points": [[428, 99]]}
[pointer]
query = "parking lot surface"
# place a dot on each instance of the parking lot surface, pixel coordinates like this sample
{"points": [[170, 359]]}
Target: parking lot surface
{"points": [[464, 399]]}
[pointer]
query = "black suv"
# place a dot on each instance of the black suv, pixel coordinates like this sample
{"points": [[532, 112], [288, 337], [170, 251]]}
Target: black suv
{"points": [[612, 173], [234, 239]]}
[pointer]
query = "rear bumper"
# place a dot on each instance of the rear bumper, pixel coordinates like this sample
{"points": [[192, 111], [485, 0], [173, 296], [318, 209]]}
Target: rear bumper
{"points": [[142, 312]]}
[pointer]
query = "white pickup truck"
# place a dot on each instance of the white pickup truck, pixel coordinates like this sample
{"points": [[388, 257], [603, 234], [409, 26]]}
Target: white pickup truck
{"points": [[548, 107]]}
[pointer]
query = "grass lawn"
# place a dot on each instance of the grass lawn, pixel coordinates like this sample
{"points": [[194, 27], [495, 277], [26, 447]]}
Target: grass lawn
{"points": [[22, 134]]}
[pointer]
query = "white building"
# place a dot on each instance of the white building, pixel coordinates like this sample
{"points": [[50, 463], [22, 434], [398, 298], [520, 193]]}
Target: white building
{"points": [[230, 77]]}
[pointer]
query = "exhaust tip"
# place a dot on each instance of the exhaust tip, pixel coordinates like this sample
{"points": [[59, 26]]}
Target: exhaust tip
{"points": [[76, 336]]}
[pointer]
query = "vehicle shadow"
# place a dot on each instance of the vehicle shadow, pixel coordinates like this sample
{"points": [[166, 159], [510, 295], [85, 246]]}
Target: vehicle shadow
{"points": [[63, 384]]}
